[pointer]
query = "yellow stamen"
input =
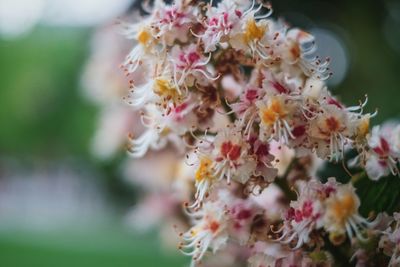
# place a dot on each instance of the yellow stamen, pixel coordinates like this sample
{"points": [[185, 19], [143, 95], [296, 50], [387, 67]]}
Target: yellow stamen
{"points": [[193, 232], [165, 89], [143, 37], [268, 116], [165, 131], [363, 128], [253, 32], [344, 207], [204, 170], [275, 110]]}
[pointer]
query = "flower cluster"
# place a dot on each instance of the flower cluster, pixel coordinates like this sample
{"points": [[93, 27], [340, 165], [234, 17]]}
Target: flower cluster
{"points": [[240, 98], [331, 206]]}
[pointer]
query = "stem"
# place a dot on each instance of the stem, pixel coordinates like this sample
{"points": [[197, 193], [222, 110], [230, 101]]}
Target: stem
{"points": [[282, 182], [203, 133], [338, 253], [284, 186], [358, 176], [231, 115], [227, 108]]}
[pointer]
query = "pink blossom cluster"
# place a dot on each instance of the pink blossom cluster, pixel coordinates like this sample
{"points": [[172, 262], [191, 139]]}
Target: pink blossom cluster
{"points": [[241, 101]]}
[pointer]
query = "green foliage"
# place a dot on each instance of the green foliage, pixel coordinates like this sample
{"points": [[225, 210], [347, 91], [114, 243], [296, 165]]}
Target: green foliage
{"points": [[379, 196], [98, 247], [41, 109], [375, 196]]}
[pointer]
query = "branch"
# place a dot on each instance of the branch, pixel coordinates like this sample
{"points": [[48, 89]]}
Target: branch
{"points": [[282, 182]]}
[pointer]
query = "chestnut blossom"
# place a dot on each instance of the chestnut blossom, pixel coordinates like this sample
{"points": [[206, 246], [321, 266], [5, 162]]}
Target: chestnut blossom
{"points": [[390, 241], [172, 22], [329, 132], [221, 23], [341, 214], [162, 129], [204, 179], [299, 52], [332, 206], [385, 151], [255, 34], [190, 66], [144, 50], [209, 231], [244, 97], [231, 156], [276, 114], [304, 215]]}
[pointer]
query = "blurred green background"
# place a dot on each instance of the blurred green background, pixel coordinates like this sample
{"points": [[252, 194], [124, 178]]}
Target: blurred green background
{"points": [[45, 122]]}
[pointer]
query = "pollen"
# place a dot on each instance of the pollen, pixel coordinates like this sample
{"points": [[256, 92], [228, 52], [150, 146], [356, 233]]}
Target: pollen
{"points": [[363, 128], [253, 32], [273, 112], [343, 208], [268, 116], [143, 37], [193, 232], [164, 88], [165, 131], [204, 170]]}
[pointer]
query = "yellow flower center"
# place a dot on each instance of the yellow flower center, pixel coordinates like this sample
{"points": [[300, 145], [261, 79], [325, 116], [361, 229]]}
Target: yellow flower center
{"points": [[204, 171], [143, 37], [363, 128], [194, 232], [165, 131], [275, 110], [344, 207], [165, 89], [253, 32]]}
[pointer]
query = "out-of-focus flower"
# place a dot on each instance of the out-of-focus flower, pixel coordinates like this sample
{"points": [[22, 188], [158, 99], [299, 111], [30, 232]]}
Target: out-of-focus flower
{"points": [[385, 151], [390, 241]]}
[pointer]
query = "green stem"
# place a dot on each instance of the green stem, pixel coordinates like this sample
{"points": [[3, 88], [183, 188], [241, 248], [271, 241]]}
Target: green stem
{"points": [[231, 115], [358, 176], [282, 182], [284, 186]]}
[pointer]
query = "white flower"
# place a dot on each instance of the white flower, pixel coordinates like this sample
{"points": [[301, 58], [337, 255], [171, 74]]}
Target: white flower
{"points": [[298, 51], [110, 136], [329, 132], [222, 22], [390, 241], [190, 66], [303, 216], [255, 36], [385, 152], [266, 254], [173, 21], [246, 108], [209, 231], [341, 213], [204, 179], [144, 49], [276, 114], [160, 89], [281, 83], [162, 128], [231, 157], [264, 159], [241, 215]]}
